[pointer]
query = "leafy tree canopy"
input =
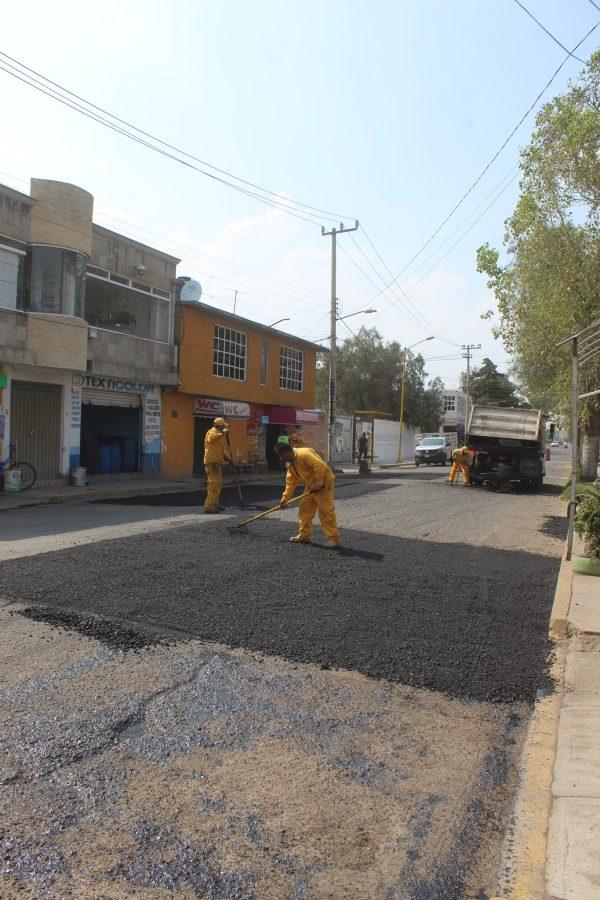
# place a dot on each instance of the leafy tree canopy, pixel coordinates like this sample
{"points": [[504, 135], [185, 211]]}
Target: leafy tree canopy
{"points": [[549, 286], [488, 385], [369, 374]]}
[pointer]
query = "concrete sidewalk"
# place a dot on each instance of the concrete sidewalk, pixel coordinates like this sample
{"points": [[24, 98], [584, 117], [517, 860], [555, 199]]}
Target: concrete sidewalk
{"points": [[573, 848], [553, 846]]}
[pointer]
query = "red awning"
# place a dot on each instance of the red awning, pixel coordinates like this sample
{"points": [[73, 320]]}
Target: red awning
{"points": [[281, 415]]}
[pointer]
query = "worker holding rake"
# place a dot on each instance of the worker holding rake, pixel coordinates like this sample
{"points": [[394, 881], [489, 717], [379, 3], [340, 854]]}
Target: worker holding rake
{"points": [[307, 467], [215, 457]]}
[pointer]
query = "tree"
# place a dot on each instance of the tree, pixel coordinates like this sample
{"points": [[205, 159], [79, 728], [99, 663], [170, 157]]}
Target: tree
{"points": [[488, 385], [369, 376], [548, 288]]}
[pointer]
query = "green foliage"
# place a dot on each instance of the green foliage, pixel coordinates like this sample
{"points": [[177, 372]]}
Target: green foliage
{"points": [[369, 376], [549, 287], [488, 385], [587, 521]]}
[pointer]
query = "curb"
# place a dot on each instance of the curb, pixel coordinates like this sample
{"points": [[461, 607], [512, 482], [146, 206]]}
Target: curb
{"points": [[523, 866]]}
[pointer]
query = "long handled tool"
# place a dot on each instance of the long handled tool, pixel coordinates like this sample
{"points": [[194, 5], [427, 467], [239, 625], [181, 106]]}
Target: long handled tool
{"points": [[235, 474], [268, 511]]}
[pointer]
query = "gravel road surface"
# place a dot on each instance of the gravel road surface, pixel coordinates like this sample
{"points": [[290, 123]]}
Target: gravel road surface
{"points": [[184, 712]]}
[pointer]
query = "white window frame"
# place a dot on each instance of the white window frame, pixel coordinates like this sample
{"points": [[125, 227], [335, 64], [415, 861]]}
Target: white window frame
{"points": [[224, 334], [285, 374], [5, 248], [449, 402]]}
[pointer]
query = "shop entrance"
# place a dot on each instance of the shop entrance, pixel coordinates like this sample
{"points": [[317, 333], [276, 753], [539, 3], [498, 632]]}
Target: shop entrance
{"points": [[111, 432], [273, 433], [201, 426], [35, 423]]}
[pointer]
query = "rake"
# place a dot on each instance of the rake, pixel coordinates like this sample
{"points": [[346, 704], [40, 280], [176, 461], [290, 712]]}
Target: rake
{"points": [[233, 528]]}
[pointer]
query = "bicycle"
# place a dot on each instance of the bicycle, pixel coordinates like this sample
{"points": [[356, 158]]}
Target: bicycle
{"points": [[28, 473]]}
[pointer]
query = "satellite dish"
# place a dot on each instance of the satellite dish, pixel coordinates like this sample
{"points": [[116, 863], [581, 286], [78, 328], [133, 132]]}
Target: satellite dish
{"points": [[191, 291]]}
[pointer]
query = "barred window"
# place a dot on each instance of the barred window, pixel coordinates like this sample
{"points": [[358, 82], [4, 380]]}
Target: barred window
{"points": [[229, 357], [291, 369], [449, 403]]}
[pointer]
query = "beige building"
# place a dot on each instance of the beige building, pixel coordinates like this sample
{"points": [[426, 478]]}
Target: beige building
{"points": [[86, 336]]}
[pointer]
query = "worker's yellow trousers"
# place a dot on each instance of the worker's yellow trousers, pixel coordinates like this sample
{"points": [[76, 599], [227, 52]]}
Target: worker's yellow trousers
{"points": [[456, 468], [324, 505], [214, 482]]}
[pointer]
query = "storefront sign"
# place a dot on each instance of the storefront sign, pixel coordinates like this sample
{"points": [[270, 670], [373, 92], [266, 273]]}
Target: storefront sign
{"points": [[308, 416], [75, 409], [230, 409], [152, 419], [101, 383]]}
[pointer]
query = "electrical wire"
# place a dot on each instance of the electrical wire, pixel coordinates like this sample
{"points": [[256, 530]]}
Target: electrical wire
{"points": [[301, 206], [549, 33], [493, 159], [31, 82]]}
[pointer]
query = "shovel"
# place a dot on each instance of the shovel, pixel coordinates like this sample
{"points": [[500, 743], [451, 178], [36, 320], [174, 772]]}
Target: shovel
{"points": [[235, 474], [233, 528]]}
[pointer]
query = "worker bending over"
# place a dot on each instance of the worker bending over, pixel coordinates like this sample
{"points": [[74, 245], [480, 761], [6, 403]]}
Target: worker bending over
{"points": [[461, 461], [215, 457], [307, 467]]}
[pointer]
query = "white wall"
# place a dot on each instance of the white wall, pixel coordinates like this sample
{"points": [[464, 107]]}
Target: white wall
{"points": [[386, 442]]}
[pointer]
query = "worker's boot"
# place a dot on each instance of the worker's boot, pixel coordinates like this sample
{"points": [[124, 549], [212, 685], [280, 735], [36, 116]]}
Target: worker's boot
{"points": [[300, 539], [332, 543]]}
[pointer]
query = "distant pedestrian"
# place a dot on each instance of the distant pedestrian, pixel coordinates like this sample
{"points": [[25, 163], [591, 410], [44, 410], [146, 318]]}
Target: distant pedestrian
{"points": [[215, 457], [363, 446]]}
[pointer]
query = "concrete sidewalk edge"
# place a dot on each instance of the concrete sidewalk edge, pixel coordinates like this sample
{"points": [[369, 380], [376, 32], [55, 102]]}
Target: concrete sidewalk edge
{"points": [[523, 867]]}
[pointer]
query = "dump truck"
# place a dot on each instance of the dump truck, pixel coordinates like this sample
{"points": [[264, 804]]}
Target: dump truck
{"points": [[509, 447]]}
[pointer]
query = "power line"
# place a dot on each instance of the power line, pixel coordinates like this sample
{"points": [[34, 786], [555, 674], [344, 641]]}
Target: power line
{"points": [[494, 157], [427, 323], [33, 83], [549, 33], [298, 204]]}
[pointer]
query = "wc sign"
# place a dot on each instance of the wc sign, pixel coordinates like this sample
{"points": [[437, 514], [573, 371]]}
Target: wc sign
{"points": [[229, 409]]}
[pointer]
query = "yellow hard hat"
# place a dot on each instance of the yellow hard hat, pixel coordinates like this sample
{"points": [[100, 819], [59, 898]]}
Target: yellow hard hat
{"points": [[220, 421]]}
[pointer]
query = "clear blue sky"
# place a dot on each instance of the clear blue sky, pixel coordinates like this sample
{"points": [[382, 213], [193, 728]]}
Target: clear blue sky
{"points": [[384, 110]]}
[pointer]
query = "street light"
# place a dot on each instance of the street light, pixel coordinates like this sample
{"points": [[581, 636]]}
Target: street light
{"points": [[287, 319], [349, 316], [404, 358]]}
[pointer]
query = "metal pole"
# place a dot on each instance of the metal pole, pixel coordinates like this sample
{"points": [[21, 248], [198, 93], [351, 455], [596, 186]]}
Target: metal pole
{"points": [[332, 337], [332, 351], [402, 403], [574, 446]]}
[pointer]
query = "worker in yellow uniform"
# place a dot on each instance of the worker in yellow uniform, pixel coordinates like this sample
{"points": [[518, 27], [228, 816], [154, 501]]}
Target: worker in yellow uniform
{"points": [[462, 459], [307, 467], [215, 457]]}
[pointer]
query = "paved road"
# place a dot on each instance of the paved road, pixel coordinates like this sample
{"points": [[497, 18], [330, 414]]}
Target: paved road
{"points": [[359, 740]]}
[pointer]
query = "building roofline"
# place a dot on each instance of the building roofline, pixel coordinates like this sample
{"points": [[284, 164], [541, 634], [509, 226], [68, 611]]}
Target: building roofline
{"points": [[18, 195], [146, 247], [240, 320]]}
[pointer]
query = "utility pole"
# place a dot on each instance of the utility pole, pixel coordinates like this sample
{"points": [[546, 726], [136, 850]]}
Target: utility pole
{"points": [[467, 356], [236, 291], [332, 336]]}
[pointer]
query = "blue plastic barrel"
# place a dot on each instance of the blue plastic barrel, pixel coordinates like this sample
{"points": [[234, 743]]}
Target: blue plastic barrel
{"points": [[128, 463], [115, 457], [103, 459]]}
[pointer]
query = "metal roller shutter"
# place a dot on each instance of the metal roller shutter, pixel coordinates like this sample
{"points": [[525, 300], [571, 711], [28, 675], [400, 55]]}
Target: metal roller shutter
{"points": [[111, 398], [35, 425]]}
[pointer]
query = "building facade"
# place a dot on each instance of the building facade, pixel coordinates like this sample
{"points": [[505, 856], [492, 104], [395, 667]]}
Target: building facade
{"points": [[454, 412], [86, 336], [261, 380]]}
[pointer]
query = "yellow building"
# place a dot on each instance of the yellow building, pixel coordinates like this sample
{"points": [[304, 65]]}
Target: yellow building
{"points": [[261, 380]]}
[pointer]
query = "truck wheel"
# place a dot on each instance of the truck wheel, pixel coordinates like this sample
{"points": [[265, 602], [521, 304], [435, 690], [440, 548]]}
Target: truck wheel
{"points": [[417, 465]]}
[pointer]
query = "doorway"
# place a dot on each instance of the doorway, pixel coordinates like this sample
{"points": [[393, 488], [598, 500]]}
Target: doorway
{"points": [[35, 425], [273, 433], [202, 425]]}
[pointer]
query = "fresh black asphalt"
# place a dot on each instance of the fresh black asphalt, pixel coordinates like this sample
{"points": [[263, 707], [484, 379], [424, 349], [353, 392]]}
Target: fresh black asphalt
{"points": [[470, 621]]}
